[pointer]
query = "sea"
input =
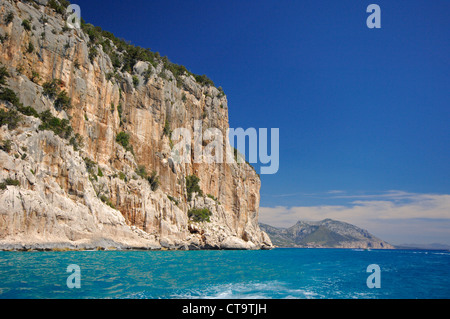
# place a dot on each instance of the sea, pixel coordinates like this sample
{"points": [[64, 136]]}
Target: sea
{"points": [[281, 273]]}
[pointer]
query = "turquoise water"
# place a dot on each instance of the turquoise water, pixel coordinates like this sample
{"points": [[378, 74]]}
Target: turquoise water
{"points": [[278, 273]]}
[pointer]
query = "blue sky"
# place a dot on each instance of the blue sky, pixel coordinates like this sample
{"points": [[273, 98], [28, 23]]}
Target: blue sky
{"points": [[362, 112]]}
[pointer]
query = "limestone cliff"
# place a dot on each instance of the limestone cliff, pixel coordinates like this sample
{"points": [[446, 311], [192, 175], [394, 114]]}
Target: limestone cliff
{"points": [[76, 183]]}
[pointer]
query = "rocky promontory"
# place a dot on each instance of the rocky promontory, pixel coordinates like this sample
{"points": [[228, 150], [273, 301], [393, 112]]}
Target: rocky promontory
{"points": [[85, 144]]}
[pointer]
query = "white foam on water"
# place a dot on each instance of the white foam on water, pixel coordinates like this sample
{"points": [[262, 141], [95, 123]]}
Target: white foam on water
{"points": [[248, 290], [441, 253]]}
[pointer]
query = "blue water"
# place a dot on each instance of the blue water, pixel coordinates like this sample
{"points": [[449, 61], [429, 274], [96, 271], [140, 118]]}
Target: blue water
{"points": [[278, 273]]}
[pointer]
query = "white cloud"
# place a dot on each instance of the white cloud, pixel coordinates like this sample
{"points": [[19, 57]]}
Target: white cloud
{"points": [[396, 215], [335, 191]]}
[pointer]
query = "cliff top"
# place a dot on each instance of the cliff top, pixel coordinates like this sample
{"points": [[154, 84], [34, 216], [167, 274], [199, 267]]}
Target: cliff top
{"points": [[122, 53]]}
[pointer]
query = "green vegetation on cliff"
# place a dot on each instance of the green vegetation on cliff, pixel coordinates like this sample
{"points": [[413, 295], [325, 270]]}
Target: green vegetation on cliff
{"points": [[9, 182], [124, 55], [192, 186], [199, 215]]}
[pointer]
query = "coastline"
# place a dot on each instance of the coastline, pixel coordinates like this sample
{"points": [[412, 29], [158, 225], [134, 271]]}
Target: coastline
{"points": [[110, 245], [64, 247]]}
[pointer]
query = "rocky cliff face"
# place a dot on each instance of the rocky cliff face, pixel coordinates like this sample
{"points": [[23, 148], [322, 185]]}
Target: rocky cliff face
{"points": [[87, 188], [327, 233]]}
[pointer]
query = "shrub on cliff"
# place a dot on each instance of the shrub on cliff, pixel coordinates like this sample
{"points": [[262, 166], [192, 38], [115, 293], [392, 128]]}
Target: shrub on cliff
{"points": [[59, 6], [30, 48], [63, 101], [167, 131], [107, 201], [90, 165], [176, 69], [120, 110], [34, 77], [26, 24], [6, 146], [135, 81], [212, 197], [9, 17], [123, 139], [115, 60], [192, 186], [4, 74], [9, 181], [153, 180], [204, 80], [10, 118], [221, 92], [27, 110], [76, 141], [141, 171], [60, 127], [173, 199], [147, 74], [51, 88], [93, 52], [199, 215], [10, 96]]}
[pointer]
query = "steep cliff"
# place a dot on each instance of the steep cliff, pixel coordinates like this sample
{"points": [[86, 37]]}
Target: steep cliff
{"points": [[86, 161]]}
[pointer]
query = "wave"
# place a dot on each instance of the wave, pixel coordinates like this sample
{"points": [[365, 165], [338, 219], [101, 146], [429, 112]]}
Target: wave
{"points": [[248, 290], [432, 252]]}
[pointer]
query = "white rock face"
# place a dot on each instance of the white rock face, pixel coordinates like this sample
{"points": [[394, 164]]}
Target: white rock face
{"points": [[92, 197], [233, 242]]}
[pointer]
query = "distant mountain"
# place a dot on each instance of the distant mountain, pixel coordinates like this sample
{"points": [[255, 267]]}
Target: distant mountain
{"points": [[327, 233]]}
